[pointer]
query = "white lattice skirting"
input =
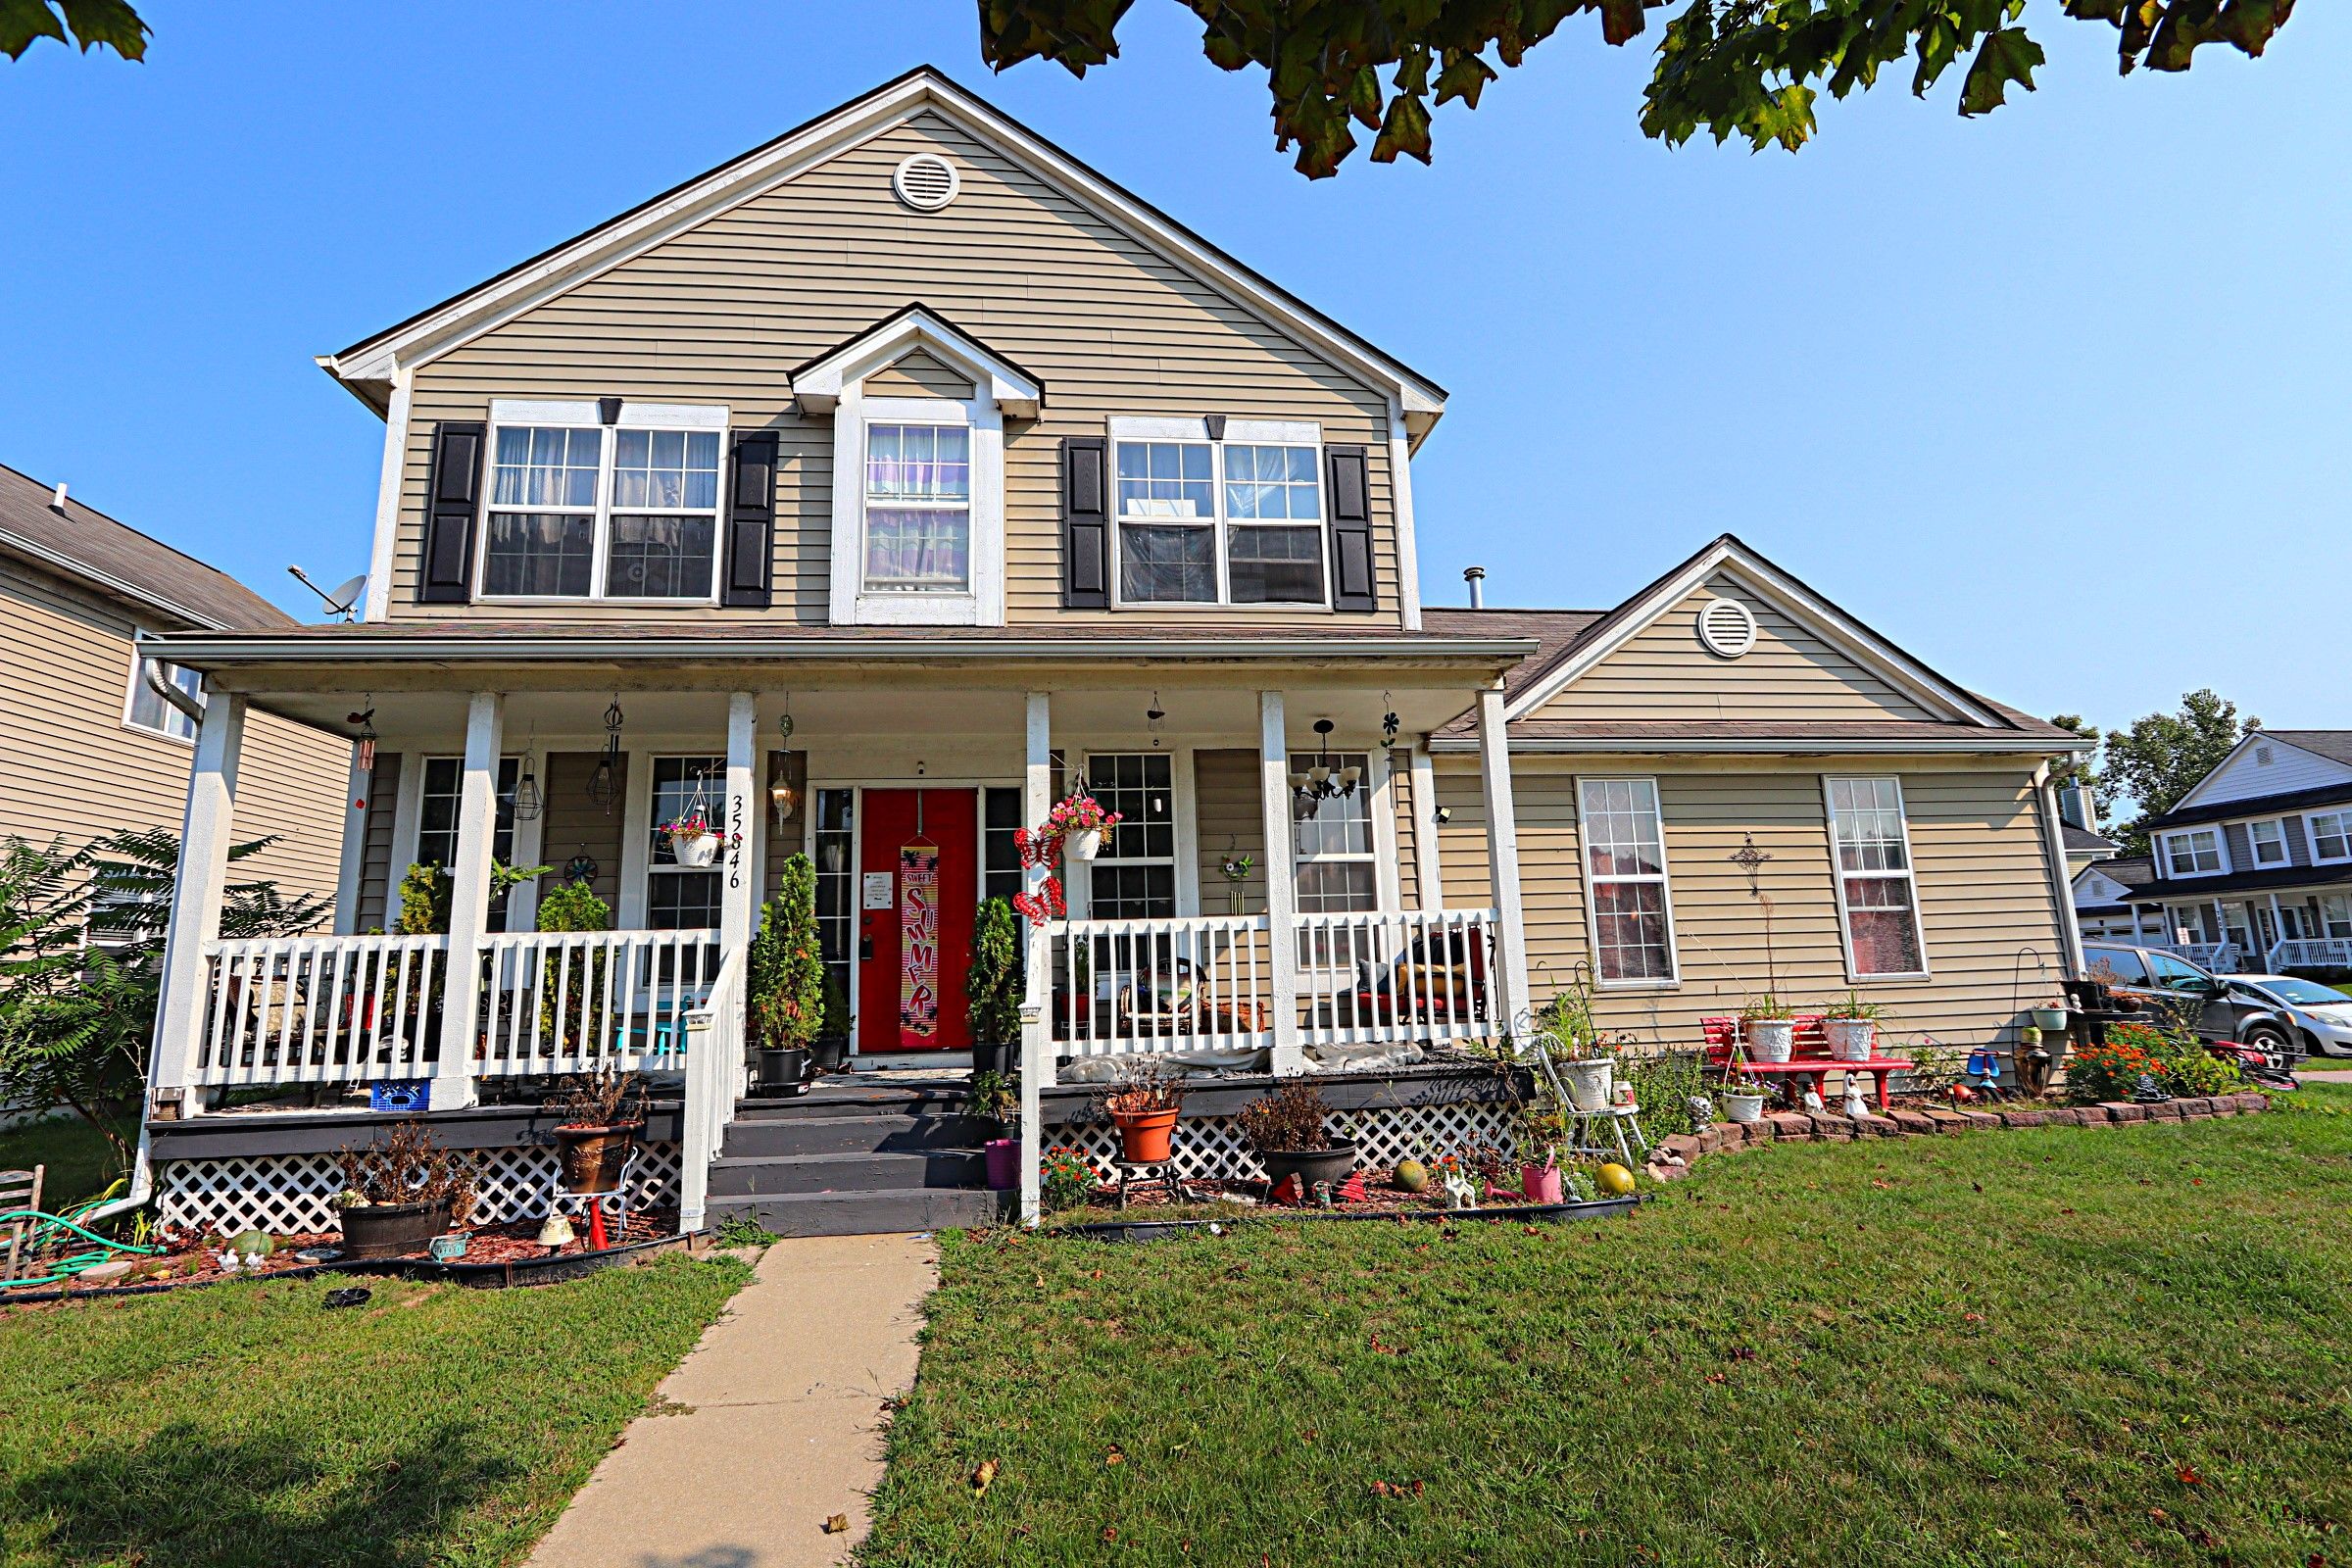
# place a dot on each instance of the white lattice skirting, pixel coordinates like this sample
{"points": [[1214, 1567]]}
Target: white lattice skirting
{"points": [[294, 1193], [1212, 1146]]}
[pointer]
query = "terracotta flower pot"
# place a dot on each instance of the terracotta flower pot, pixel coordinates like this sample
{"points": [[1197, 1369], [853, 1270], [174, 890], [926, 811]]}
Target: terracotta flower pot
{"points": [[1146, 1136], [392, 1230], [592, 1157]]}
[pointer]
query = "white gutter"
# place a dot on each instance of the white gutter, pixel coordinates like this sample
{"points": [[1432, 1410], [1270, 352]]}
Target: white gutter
{"points": [[201, 651], [1622, 746]]}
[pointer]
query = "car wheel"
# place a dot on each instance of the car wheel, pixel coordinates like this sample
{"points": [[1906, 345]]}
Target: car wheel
{"points": [[2267, 1037]]}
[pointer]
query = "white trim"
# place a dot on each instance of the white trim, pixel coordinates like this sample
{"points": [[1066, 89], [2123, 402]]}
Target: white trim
{"points": [[390, 481], [1247, 433], [1429, 868], [636, 840], [820, 384], [358, 790], [1400, 511], [1221, 525], [1384, 881], [408, 807], [1838, 877], [2163, 851], [204, 649], [1282, 900], [453, 1083], [1989, 744], [480, 309], [1672, 980], [852, 602], [82, 572], [1184, 801], [2197, 791], [633, 415], [1503, 862], [2311, 835], [1824, 619], [139, 660], [2286, 855]]}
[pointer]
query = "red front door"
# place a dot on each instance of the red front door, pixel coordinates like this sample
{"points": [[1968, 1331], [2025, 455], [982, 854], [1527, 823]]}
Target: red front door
{"points": [[917, 891]]}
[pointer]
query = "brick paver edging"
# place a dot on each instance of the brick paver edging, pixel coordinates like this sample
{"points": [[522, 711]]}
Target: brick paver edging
{"points": [[1672, 1158]]}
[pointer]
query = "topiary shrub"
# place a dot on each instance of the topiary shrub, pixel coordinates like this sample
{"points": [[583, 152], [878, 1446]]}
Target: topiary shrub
{"points": [[992, 985], [785, 974]]}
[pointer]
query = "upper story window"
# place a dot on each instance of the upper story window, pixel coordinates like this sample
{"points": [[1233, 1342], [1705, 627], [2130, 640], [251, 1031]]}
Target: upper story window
{"points": [[581, 509], [145, 709], [2269, 840], [918, 507], [1236, 522], [2331, 835], [2195, 853]]}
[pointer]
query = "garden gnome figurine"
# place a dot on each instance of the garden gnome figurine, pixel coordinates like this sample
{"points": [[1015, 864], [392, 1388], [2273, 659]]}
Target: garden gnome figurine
{"points": [[1702, 1111], [1813, 1099]]}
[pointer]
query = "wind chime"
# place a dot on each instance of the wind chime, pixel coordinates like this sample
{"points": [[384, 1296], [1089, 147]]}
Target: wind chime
{"points": [[918, 938], [363, 760]]}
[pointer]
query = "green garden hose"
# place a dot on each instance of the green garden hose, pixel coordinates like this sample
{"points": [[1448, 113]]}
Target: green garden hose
{"points": [[49, 1230]]}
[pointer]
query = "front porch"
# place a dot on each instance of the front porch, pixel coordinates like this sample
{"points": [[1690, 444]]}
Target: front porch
{"points": [[1186, 937]]}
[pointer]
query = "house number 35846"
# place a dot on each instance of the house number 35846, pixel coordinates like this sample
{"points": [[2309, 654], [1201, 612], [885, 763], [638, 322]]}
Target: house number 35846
{"points": [[735, 841]]}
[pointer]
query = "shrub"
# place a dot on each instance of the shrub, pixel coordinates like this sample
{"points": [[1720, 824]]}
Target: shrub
{"points": [[992, 985], [786, 975], [1663, 1087], [424, 900], [2174, 1057], [1289, 1121]]}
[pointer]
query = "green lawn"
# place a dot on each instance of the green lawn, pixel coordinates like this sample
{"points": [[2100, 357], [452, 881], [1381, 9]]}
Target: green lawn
{"points": [[2129, 1346], [79, 1162], [245, 1424]]}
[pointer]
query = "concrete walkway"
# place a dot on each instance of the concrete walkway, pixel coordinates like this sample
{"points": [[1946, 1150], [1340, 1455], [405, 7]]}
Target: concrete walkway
{"points": [[769, 1426]]}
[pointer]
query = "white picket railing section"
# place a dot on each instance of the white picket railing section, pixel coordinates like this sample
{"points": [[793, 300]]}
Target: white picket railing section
{"points": [[321, 1010], [567, 1001], [2222, 958], [1380, 977], [1190, 983], [716, 1079], [2311, 953]]}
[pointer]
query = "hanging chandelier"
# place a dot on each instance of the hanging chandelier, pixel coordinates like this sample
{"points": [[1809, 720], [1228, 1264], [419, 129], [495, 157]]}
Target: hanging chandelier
{"points": [[1321, 781]]}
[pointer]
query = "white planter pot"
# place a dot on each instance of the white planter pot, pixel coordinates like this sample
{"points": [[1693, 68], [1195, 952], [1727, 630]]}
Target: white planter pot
{"points": [[1084, 845], [696, 849], [1851, 1039], [1589, 1082], [1746, 1108], [1771, 1039]]}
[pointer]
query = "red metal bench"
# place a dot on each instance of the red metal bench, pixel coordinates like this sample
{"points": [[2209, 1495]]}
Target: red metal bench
{"points": [[1807, 1067]]}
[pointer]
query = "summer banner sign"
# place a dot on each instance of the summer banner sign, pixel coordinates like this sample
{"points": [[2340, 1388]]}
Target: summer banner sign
{"points": [[919, 947]]}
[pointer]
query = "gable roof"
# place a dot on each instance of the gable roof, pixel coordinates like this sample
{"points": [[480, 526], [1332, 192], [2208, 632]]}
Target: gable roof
{"points": [[2251, 805], [2083, 841], [2335, 745], [368, 366], [2327, 745], [94, 550], [816, 384]]}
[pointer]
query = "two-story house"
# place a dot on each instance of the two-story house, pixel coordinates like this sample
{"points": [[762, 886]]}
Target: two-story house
{"points": [[903, 475], [2252, 871]]}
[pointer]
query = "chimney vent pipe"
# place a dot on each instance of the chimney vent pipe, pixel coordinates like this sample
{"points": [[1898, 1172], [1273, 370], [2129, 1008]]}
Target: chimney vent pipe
{"points": [[57, 501], [1476, 577]]}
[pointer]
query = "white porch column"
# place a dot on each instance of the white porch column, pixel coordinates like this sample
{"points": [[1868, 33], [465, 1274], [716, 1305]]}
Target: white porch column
{"points": [[470, 900], [1037, 1056], [1428, 870], [739, 899], [1503, 858], [1282, 897], [197, 890], [356, 789]]}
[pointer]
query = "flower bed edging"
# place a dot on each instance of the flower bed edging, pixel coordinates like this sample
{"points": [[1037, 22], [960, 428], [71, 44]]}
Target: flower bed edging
{"points": [[1672, 1158]]}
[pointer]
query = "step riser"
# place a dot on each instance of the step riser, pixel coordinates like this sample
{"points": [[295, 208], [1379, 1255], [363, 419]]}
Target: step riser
{"points": [[943, 1169], [856, 1135], [862, 1213]]}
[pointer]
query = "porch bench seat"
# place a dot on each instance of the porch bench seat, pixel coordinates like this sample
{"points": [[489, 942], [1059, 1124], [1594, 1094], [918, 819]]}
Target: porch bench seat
{"points": [[1808, 1067]]}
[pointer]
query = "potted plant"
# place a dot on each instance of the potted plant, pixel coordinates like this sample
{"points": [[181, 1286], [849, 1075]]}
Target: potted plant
{"points": [[1286, 1131], [1852, 1028], [1143, 1104], [567, 986], [785, 980], [992, 985], [993, 1098], [694, 838], [2051, 1020], [602, 1114], [399, 1195], [1081, 825], [1587, 1063], [1768, 1027], [1742, 1097]]}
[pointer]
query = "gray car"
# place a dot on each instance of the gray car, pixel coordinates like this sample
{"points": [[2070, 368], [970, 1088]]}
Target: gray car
{"points": [[2287, 1012]]}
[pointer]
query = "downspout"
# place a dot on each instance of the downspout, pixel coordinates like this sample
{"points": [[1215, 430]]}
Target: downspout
{"points": [[169, 692], [2053, 842]]}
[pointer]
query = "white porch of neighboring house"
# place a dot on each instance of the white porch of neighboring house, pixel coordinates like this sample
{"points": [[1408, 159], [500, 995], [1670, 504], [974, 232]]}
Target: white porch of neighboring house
{"points": [[2271, 931], [1335, 942]]}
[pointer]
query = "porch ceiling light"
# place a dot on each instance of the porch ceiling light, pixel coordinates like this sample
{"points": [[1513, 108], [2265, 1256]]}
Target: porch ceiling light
{"points": [[1321, 781]]}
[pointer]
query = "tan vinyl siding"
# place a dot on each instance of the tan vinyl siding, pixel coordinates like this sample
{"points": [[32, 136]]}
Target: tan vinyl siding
{"points": [[1227, 820], [1983, 894], [1664, 671], [722, 314], [377, 877], [574, 825], [70, 767], [918, 375], [1401, 797]]}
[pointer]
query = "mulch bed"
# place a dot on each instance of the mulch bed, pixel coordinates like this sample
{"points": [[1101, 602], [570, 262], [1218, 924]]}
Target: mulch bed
{"points": [[1381, 1195], [518, 1241]]}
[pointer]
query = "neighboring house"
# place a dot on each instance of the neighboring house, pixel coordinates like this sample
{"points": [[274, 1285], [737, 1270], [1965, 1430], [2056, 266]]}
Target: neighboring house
{"points": [[2111, 900], [87, 746], [2253, 868], [890, 482]]}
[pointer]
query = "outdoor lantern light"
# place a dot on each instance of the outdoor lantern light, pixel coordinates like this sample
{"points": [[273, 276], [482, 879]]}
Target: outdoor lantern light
{"points": [[529, 802], [604, 785], [783, 795]]}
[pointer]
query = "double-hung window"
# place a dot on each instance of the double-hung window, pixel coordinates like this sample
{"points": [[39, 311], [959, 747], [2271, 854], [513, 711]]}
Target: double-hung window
{"points": [[680, 898], [2331, 835], [1876, 903], [1234, 522], [2335, 914], [147, 710], [919, 508], [1135, 876], [437, 801], [2194, 852], [581, 509], [1625, 872], [2269, 840]]}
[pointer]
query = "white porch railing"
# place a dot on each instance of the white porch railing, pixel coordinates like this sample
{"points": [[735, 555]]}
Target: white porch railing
{"points": [[2311, 953], [1420, 975], [1190, 983], [716, 1079], [319, 1009], [2222, 958], [569, 1001]]}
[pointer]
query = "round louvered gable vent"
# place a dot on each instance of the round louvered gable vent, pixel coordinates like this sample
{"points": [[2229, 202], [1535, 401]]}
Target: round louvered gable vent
{"points": [[925, 181], [1728, 628]]}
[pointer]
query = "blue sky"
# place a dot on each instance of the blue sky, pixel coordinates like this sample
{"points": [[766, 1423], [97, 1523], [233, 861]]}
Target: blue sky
{"points": [[2057, 399]]}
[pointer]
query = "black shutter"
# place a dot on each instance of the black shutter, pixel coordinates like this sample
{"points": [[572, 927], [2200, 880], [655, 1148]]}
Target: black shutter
{"points": [[1084, 524], [751, 521], [453, 495], [1351, 497]]}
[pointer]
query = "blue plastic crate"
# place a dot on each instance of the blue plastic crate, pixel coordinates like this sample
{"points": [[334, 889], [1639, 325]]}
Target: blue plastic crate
{"points": [[401, 1094]]}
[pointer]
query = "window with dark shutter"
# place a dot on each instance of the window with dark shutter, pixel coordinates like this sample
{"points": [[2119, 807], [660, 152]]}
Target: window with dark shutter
{"points": [[1351, 491], [751, 521], [1084, 524], [453, 497]]}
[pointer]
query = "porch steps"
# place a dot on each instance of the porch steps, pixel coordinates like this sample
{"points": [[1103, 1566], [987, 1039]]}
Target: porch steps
{"points": [[855, 1162]]}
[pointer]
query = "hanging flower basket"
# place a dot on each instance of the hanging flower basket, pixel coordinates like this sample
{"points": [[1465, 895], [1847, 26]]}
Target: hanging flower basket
{"points": [[1077, 827], [694, 841]]}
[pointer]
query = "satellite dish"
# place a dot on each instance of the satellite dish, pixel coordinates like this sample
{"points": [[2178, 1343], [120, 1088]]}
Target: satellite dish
{"points": [[341, 601]]}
